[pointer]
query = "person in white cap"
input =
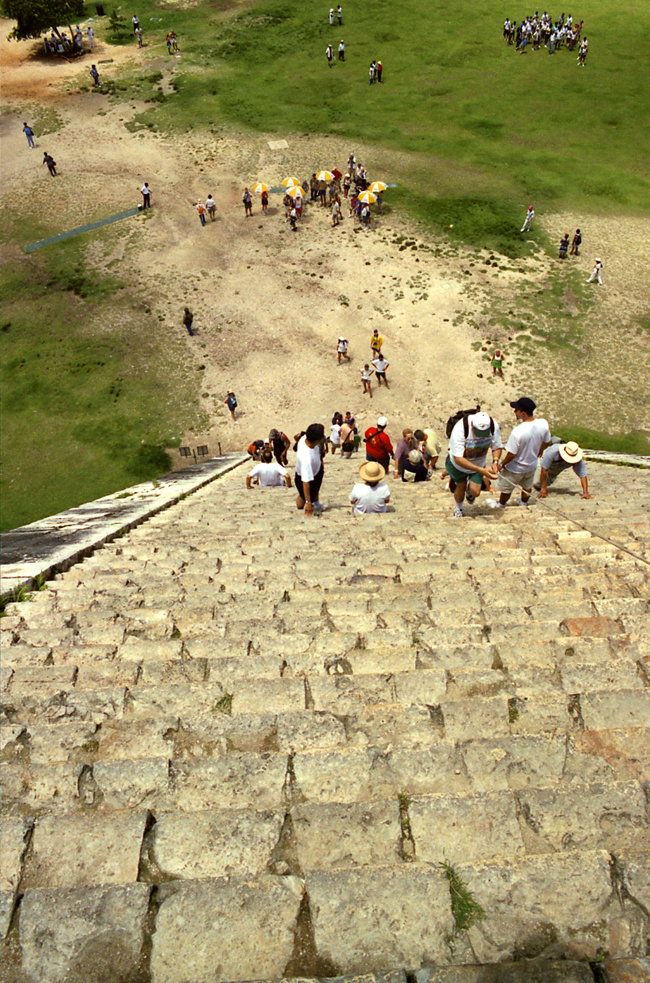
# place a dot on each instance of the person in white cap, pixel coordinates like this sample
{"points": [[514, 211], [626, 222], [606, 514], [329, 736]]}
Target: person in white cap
{"points": [[560, 457], [342, 349], [373, 495], [378, 445], [528, 221], [595, 276], [471, 439]]}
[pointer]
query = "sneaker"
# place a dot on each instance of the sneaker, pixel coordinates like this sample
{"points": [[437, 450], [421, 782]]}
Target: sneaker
{"points": [[520, 501], [320, 506], [458, 512], [470, 499], [493, 504]]}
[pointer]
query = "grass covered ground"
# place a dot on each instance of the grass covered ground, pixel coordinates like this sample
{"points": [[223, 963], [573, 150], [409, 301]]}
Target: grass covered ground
{"points": [[87, 407], [494, 129]]}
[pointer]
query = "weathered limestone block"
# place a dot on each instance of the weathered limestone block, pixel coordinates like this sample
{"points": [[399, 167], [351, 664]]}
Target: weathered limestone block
{"points": [[238, 781], [311, 730], [379, 918], [83, 934], [584, 817], [610, 754], [480, 715], [123, 784], [214, 844], [552, 906], [465, 828], [423, 687], [14, 834], [231, 930], [214, 734], [91, 849], [621, 708], [330, 836], [560, 971], [31, 788], [343, 693], [384, 726], [268, 695], [627, 970]]}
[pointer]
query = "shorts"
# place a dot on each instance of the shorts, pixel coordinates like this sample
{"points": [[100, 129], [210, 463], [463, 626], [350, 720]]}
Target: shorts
{"points": [[381, 375], [384, 461], [314, 486], [461, 476], [521, 479]]}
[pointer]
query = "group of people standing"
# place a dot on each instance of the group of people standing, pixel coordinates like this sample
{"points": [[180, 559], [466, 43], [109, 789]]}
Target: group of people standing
{"points": [[535, 31], [58, 43]]}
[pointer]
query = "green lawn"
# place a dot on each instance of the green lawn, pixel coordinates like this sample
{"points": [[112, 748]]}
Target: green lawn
{"points": [[491, 124], [82, 401]]}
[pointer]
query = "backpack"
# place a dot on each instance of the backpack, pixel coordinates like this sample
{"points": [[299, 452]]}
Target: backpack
{"points": [[463, 415]]}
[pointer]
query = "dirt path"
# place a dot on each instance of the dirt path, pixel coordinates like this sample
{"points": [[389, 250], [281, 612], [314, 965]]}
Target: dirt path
{"points": [[269, 304]]}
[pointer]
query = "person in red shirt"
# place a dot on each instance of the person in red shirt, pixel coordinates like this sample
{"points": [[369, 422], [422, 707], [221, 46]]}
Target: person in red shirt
{"points": [[378, 445]]}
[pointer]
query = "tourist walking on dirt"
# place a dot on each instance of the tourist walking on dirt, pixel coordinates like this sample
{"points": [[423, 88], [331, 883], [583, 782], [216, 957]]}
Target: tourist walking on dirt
{"points": [[378, 445], [248, 202], [51, 163], [381, 365], [375, 343], [201, 210], [366, 377], [138, 35], [231, 402], [188, 318], [211, 207], [497, 363], [95, 74], [528, 221], [564, 246], [265, 202], [575, 245], [342, 349], [145, 191], [29, 133], [595, 276]]}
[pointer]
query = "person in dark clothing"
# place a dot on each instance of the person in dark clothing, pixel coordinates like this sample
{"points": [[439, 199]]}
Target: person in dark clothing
{"points": [[51, 163], [188, 318], [414, 468]]}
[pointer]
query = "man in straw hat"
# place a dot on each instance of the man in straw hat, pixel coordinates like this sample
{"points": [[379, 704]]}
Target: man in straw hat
{"points": [[558, 458], [370, 496]]}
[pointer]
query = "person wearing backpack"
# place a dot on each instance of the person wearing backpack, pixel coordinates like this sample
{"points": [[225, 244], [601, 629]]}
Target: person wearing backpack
{"points": [[231, 403], [470, 438]]}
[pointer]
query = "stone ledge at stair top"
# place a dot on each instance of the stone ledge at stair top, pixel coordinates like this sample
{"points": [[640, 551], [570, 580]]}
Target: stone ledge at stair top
{"points": [[58, 541]]}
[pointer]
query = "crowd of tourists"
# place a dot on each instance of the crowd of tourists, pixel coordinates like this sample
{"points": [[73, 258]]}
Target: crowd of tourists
{"points": [[535, 32], [531, 460]]}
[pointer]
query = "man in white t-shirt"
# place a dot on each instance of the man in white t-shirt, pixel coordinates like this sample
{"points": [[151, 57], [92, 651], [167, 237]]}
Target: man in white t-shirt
{"points": [[268, 473], [525, 444], [309, 468], [466, 462], [373, 495]]}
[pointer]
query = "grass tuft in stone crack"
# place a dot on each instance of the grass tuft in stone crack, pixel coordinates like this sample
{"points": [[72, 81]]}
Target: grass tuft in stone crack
{"points": [[464, 907], [224, 705]]}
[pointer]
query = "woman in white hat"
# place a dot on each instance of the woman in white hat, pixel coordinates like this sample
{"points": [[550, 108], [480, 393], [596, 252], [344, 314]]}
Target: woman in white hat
{"points": [[371, 495]]}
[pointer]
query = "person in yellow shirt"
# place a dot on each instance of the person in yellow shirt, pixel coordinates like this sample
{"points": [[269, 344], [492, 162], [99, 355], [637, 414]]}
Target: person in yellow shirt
{"points": [[375, 343]]}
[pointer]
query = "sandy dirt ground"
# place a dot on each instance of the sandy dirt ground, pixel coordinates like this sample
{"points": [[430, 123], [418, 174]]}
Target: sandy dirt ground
{"points": [[270, 304]]}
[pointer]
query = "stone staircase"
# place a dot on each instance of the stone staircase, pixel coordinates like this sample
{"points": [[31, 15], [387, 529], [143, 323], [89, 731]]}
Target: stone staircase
{"points": [[240, 744]]}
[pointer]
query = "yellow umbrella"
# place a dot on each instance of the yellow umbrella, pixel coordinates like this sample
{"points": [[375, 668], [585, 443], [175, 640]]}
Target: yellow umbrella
{"points": [[367, 197], [377, 186], [294, 191], [290, 182], [325, 176], [260, 187]]}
